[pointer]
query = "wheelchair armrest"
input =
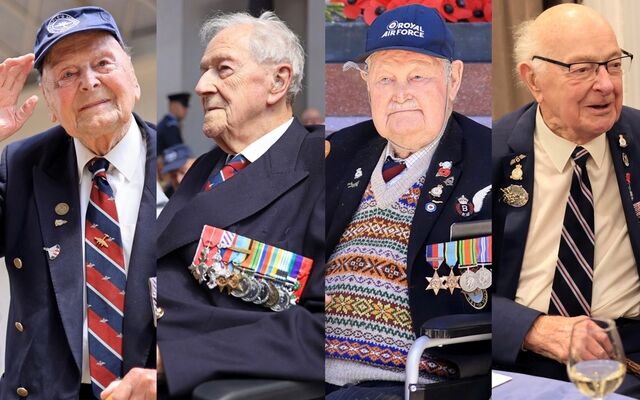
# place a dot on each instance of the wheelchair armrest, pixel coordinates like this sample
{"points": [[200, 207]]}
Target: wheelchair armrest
{"points": [[442, 331], [457, 325], [257, 389]]}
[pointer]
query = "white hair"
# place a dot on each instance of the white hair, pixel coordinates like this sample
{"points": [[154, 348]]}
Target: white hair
{"points": [[526, 45], [271, 42]]}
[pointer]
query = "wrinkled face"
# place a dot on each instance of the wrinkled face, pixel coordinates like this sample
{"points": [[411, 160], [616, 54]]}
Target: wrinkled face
{"points": [[233, 87], [89, 85], [408, 95], [581, 109]]}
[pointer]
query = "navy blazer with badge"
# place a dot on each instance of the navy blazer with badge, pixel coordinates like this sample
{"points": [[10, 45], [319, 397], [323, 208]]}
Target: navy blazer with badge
{"points": [[467, 145], [513, 136], [279, 200], [45, 355]]}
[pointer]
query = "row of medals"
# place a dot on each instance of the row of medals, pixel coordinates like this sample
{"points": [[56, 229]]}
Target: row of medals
{"points": [[266, 291], [473, 284]]}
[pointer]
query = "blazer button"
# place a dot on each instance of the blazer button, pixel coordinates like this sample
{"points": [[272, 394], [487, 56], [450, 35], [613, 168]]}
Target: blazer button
{"points": [[19, 327], [159, 312], [22, 392], [17, 263]]}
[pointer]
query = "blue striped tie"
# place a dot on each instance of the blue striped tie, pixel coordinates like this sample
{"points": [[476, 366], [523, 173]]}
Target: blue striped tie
{"points": [[106, 280], [573, 280]]}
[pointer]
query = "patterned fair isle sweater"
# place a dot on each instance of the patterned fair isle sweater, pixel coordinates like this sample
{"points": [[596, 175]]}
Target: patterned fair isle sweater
{"points": [[368, 323]]}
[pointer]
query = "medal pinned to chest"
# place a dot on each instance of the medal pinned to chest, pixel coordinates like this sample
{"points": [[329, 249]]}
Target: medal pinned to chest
{"points": [[514, 194], [250, 270], [471, 257]]}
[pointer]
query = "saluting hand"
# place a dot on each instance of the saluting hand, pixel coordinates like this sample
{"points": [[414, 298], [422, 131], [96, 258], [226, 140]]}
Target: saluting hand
{"points": [[13, 74]]}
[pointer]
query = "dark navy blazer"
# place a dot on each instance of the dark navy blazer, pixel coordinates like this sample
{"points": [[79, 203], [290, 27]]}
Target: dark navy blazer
{"points": [[46, 295], [467, 145], [513, 135], [206, 334]]}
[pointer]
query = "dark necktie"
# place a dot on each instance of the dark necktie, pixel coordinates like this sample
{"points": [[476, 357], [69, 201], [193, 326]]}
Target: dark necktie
{"points": [[106, 280], [573, 280], [232, 167], [391, 168]]}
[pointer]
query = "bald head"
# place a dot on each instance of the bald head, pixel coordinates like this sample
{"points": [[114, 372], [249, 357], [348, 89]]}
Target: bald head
{"points": [[570, 26], [577, 107]]}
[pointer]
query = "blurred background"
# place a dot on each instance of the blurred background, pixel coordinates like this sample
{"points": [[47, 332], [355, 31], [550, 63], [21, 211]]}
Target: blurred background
{"points": [[180, 51], [345, 31]]}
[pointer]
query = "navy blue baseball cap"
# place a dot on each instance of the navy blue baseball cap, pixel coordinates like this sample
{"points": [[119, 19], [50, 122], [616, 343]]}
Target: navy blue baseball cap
{"points": [[413, 28], [175, 156], [68, 22]]}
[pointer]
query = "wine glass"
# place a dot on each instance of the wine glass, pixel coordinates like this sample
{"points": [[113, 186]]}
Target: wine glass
{"points": [[596, 363]]}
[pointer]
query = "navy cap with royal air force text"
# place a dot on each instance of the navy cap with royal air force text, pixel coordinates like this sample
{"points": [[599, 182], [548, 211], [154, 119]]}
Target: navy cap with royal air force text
{"points": [[68, 22], [412, 28]]}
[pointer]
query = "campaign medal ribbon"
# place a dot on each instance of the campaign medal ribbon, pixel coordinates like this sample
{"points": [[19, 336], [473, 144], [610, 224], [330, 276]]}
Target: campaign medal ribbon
{"points": [[483, 250], [467, 259], [434, 256]]}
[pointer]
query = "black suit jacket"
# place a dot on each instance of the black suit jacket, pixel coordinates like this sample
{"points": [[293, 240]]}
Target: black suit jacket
{"points": [[513, 135], [207, 334], [467, 145], [46, 295]]}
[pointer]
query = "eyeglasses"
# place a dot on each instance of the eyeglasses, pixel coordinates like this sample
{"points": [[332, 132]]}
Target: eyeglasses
{"points": [[588, 70]]}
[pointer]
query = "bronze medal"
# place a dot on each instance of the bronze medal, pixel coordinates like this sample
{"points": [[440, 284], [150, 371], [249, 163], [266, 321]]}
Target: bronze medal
{"points": [[273, 297], [452, 281], [515, 195], [435, 283]]}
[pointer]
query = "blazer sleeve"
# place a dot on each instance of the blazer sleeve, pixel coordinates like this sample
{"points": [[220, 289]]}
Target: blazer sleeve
{"points": [[510, 323], [4, 172]]}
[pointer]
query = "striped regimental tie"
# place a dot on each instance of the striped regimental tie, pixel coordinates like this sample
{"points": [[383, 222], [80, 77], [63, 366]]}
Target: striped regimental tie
{"points": [[573, 280], [106, 280], [392, 168], [232, 167]]}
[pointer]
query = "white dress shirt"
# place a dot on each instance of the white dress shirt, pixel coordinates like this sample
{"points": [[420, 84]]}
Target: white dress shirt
{"points": [[126, 177]]}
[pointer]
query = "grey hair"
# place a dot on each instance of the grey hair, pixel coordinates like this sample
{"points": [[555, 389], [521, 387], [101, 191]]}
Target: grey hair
{"points": [[526, 45], [271, 42]]}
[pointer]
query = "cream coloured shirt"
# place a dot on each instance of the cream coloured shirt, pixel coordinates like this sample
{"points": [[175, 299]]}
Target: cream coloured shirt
{"points": [[616, 285]]}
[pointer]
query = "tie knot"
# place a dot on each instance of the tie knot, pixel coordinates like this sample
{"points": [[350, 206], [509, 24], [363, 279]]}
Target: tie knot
{"points": [[391, 168], [98, 166], [580, 156], [237, 162]]}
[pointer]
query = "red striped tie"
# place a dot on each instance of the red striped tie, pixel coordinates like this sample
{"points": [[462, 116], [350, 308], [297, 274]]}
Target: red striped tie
{"points": [[106, 280], [232, 167]]}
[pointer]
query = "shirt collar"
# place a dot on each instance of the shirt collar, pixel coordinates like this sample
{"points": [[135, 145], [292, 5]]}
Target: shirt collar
{"points": [[409, 161], [119, 157], [560, 149], [256, 149]]}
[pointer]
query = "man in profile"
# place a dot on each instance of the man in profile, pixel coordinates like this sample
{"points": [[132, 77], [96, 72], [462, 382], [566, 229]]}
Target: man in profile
{"points": [[264, 182]]}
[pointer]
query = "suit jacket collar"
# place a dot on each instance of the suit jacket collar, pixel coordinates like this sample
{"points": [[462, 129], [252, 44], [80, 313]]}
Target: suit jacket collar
{"points": [[252, 189], [516, 224], [56, 181], [449, 149]]}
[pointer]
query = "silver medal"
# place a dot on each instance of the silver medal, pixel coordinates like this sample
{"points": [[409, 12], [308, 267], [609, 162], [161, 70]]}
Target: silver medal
{"points": [[483, 277], [468, 281]]}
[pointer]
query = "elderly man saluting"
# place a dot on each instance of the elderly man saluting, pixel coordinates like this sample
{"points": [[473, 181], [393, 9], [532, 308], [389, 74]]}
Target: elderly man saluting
{"points": [[394, 186], [566, 219], [72, 199]]}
